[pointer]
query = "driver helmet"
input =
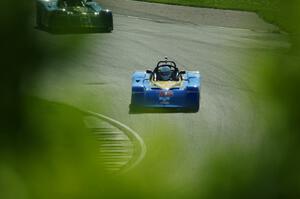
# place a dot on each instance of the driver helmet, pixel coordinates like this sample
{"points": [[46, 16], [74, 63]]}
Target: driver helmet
{"points": [[165, 73]]}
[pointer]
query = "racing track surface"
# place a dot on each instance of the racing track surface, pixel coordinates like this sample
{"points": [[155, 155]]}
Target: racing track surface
{"points": [[98, 77]]}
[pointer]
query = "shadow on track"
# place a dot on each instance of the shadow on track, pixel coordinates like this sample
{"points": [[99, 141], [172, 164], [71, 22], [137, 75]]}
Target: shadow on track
{"points": [[139, 110], [73, 31]]}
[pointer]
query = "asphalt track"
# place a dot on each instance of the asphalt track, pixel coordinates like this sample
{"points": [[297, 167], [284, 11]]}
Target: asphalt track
{"points": [[97, 77]]}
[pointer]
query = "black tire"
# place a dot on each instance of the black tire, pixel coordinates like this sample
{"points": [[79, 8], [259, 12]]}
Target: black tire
{"points": [[133, 109], [197, 107], [194, 109], [39, 17], [109, 30]]}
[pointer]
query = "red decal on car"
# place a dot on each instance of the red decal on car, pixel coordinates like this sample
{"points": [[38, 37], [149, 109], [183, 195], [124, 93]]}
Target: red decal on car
{"points": [[166, 93]]}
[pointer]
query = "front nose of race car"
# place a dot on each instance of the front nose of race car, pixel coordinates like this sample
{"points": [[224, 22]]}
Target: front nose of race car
{"points": [[164, 98], [159, 98]]}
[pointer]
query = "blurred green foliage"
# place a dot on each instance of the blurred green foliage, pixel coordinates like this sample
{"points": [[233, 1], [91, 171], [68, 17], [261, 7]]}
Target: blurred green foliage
{"points": [[46, 153]]}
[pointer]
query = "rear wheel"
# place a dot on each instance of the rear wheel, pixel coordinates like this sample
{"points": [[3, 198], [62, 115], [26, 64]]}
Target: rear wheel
{"points": [[108, 29], [133, 109], [38, 17], [194, 109]]}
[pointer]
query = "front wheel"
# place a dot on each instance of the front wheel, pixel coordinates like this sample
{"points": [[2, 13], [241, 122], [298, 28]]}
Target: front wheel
{"points": [[194, 109], [133, 109], [108, 29]]}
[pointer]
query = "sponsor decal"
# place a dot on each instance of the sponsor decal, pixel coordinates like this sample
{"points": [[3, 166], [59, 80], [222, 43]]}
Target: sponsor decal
{"points": [[167, 93], [164, 100], [165, 96]]}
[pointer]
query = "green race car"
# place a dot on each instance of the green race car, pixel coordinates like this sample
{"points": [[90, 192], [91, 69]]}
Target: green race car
{"points": [[73, 15]]}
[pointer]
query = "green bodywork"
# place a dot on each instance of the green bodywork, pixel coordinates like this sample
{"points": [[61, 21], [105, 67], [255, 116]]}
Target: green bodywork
{"points": [[66, 15]]}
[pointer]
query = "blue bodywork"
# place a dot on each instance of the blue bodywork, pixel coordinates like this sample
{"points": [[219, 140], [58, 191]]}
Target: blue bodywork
{"points": [[146, 95]]}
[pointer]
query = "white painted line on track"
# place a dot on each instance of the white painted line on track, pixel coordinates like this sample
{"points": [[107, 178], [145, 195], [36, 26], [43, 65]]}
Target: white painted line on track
{"points": [[138, 142]]}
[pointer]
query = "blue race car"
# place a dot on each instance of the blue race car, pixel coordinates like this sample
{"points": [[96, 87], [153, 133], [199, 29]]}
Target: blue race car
{"points": [[165, 87]]}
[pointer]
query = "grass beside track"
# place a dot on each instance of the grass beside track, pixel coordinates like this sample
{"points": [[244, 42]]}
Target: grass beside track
{"points": [[267, 9]]}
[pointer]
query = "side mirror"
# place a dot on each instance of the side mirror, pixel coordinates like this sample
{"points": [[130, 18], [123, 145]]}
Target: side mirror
{"points": [[148, 71], [182, 72]]}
